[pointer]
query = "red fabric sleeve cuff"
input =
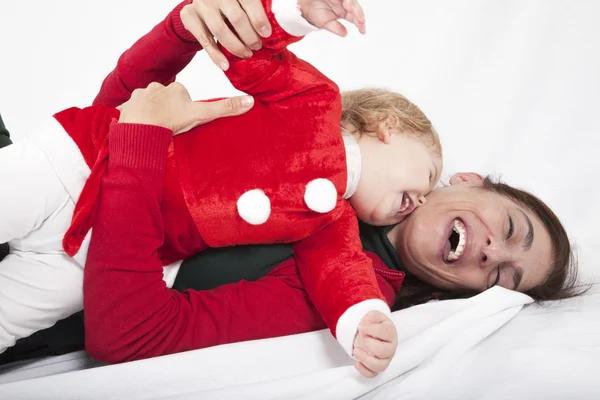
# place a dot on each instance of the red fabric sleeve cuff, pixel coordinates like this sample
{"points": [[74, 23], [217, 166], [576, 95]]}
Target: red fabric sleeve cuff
{"points": [[138, 146], [178, 27]]}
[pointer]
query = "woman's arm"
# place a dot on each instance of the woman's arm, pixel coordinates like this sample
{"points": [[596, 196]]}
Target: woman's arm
{"points": [[130, 313]]}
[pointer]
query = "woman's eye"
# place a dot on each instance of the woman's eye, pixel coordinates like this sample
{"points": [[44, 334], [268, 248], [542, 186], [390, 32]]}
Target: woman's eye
{"points": [[511, 228]]}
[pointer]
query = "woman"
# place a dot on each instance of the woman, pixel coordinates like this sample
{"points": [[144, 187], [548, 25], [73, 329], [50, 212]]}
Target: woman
{"points": [[496, 235]]}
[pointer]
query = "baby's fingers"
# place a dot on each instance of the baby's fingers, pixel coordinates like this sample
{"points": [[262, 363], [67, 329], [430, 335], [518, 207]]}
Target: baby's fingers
{"points": [[364, 371], [384, 331], [355, 14], [370, 362], [378, 348]]}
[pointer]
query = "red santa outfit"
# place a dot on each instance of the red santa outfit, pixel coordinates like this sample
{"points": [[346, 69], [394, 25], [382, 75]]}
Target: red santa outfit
{"points": [[279, 173], [289, 160]]}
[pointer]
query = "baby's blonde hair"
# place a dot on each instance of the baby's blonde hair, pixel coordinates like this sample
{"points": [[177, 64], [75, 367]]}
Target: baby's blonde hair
{"points": [[363, 110]]}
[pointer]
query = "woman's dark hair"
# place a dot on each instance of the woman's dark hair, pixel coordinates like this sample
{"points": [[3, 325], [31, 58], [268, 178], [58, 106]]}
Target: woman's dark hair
{"points": [[561, 283]]}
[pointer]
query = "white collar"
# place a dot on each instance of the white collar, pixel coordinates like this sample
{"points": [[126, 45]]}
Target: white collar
{"points": [[353, 161]]}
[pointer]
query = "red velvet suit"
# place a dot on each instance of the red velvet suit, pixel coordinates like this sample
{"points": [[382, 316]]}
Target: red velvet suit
{"points": [[290, 137]]}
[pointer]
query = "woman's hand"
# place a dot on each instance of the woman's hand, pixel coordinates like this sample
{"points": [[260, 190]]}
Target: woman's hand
{"points": [[205, 19], [171, 107], [375, 344]]}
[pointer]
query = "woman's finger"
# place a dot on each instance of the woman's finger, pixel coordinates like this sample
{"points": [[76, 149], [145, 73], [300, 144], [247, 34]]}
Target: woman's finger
{"points": [[220, 30], [258, 17], [198, 113], [240, 21], [192, 21]]}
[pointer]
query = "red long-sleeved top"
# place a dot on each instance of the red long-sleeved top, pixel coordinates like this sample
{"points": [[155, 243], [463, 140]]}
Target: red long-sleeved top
{"points": [[131, 314]]}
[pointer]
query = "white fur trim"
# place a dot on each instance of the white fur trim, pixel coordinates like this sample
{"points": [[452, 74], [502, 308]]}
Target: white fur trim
{"points": [[353, 161], [347, 325], [320, 195], [288, 16], [254, 207]]}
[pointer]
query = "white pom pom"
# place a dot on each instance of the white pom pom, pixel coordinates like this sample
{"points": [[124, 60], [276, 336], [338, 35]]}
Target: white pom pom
{"points": [[320, 195], [254, 207]]}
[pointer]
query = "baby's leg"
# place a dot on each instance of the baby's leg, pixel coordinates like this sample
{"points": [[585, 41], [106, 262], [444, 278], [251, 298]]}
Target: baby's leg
{"points": [[30, 191], [36, 291]]}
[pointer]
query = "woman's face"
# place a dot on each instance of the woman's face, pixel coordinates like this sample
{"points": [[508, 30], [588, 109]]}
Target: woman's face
{"points": [[465, 237]]}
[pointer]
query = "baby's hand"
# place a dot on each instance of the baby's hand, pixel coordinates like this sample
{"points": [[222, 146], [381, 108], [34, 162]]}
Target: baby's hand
{"points": [[375, 344], [326, 13]]}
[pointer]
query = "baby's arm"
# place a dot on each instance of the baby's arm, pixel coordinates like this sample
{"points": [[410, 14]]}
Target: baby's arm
{"points": [[273, 74], [342, 284], [375, 343], [158, 56]]}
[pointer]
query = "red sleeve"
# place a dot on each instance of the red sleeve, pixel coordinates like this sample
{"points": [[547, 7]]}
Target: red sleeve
{"points": [[274, 74], [156, 57], [130, 313], [336, 272]]}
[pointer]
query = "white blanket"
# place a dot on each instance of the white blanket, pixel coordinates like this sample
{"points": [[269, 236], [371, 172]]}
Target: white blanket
{"points": [[307, 366], [449, 350], [549, 352]]}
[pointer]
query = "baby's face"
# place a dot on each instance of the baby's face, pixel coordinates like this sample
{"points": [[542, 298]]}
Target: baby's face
{"points": [[395, 178]]}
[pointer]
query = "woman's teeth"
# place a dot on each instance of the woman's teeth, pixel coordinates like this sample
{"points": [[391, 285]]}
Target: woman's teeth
{"points": [[460, 229]]}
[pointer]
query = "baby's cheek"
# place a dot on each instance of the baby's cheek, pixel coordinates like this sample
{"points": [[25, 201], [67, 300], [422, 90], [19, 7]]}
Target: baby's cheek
{"points": [[390, 220]]}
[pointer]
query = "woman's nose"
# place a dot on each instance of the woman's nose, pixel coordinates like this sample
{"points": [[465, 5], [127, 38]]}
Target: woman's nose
{"points": [[493, 253]]}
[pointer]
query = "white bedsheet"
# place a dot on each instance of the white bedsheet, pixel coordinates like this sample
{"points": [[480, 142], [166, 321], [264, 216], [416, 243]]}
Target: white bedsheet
{"points": [[307, 366], [449, 350], [547, 352]]}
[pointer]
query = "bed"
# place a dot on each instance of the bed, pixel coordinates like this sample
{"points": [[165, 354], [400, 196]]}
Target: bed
{"points": [[512, 87], [492, 346]]}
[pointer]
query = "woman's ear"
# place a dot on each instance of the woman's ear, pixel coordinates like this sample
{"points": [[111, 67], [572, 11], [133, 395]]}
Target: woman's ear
{"points": [[465, 177]]}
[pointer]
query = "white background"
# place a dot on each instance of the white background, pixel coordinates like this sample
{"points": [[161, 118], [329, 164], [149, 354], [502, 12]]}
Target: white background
{"points": [[512, 86]]}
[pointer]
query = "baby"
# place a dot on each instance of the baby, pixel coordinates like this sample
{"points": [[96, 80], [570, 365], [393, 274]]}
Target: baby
{"points": [[286, 171]]}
